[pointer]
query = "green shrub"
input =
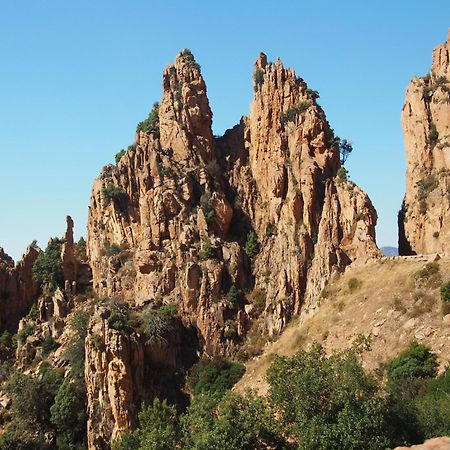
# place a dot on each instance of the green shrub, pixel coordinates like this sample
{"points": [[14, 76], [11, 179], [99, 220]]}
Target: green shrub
{"points": [[207, 207], [436, 234], [271, 230], [258, 297], [345, 148], [117, 321], [354, 284], [68, 414], [75, 349], [31, 399], [119, 155], [258, 78], [33, 314], [230, 333], [80, 249], [417, 361], [433, 408], [47, 269], [169, 310], [214, 376], [151, 124], [429, 274], [158, 429], [189, 58], [97, 342], [111, 192], [312, 93], [207, 251], [156, 324], [49, 345], [445, 292], [426, 185], [292, 113], [342, 174], [7, 340], [165, 170], [234, 295], [112, 250], [27, 330], [433, 135], [252, 244], [231, 422], [328, 402]]}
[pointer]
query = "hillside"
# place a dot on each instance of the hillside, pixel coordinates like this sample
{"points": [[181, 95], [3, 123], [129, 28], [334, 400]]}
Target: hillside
{"points": [[386, 301]]}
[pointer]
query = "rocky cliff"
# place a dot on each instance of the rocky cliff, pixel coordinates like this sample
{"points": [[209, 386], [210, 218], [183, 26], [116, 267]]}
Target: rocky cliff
{"points": [[424, 220], [173, 219], [18, 290], [239, 232]]}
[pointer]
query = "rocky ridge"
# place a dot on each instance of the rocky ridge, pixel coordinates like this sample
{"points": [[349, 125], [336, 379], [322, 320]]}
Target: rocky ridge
{"points": [[182, 191], [240, 232], [18, 290], [424, 225]]}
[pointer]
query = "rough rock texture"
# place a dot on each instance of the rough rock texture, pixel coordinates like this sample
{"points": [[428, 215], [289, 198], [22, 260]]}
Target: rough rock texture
{"points": [[169, 223], [424, 221], [282, 163], [123, 369], [18, 290], [274, 173]]}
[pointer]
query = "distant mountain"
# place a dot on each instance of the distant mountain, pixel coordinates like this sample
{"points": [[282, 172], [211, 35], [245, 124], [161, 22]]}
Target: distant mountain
{"points": [[389, 251]]}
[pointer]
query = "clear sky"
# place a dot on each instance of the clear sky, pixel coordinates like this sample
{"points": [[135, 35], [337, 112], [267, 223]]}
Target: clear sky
{"points": [[77, 76]]}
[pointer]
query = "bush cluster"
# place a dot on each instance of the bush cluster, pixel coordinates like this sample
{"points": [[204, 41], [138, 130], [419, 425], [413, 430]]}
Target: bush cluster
{"points": [[47, 269], [189, 58], [151, 124], [207, 207], [315, 402], [156, 324], [252, 244], [258, 78], [111, 192], [292, 113]]}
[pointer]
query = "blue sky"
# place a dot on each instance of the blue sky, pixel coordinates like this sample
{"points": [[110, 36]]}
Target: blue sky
{"points": [[76, 77]]}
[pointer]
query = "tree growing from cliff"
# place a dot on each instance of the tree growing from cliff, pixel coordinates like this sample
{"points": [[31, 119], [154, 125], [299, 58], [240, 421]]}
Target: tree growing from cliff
{"points": [[111, 192], [151, 124], [345, 148], [252, 244], [47, 268]]}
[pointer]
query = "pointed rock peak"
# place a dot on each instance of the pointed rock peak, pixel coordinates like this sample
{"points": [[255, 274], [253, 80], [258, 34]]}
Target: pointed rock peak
{"points": [[69, 231], [441, 58], [186, 58], [261, 62], [5, 259], [185, 118]]}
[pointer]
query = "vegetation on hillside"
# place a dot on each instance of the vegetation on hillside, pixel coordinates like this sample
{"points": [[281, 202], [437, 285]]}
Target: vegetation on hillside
{"points": [[47, 268], [315, 402]]}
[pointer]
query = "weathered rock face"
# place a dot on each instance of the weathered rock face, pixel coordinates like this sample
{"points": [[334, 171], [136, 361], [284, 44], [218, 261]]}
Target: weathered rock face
{"points": [[282, 163], [69, 260], [424, 221], [185, 203], [18, 290], [124, 369]]}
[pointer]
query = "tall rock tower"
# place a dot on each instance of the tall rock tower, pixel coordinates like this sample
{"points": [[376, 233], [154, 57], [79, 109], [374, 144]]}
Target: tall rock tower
{"points": [[424, 220]]}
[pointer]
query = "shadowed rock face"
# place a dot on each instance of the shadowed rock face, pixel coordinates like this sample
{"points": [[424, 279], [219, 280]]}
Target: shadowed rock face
{"points": [[424, 220], [273, 173], [18, 290]]}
